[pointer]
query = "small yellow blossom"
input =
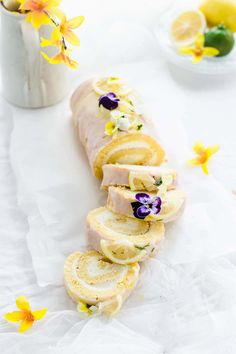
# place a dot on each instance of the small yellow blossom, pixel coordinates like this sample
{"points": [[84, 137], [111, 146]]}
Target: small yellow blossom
{"points": [[110, 128], [198, 51], [62, 57], [66, 26], [89, 310], [204, 155], [25, 315], [55, 41], [39, 11]]}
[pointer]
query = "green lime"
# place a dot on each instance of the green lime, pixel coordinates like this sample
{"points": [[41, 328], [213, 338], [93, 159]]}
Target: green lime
{"points": [[221, 38]]}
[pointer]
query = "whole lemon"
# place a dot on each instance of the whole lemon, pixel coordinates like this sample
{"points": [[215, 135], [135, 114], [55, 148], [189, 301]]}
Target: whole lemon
{"points": [[221, 38], [220, 11]]}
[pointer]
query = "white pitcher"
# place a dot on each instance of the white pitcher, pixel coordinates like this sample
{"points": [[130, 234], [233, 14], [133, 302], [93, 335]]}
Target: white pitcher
{"points": [[28, 79]]}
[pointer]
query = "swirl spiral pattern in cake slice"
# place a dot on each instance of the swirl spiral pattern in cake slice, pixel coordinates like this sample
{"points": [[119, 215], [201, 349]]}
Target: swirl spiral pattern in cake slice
{"points": [[132, 143], [92, 279], [123, 239]]}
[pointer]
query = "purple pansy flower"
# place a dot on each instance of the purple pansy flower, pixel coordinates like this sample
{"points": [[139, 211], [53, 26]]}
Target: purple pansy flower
{"points": [[146, 205], [109, 101]]}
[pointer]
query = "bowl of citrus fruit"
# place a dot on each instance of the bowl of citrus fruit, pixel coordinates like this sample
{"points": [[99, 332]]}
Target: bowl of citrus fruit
{"points": [[201, 37]]}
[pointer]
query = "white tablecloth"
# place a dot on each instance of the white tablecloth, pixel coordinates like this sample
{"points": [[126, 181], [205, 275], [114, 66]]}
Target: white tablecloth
{"points": [[185, 301]]}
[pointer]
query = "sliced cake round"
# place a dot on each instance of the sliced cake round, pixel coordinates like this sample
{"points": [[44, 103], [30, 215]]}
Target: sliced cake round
{"points": [[122, 239], [136, 177], [145, 206], [96, 284]]}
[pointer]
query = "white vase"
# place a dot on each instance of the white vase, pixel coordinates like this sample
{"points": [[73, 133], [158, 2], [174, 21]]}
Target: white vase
{"points": [[28, 79]]}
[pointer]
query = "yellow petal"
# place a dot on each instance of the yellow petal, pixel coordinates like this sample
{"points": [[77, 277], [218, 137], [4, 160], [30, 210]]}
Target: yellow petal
{"points": [[39, 314], [25, 325], [72, 64], [14, 316], [71, 38], [196, 59], [46, 42], [109, 128], [38, 19], [56, 35], [194, 162], [204, 168], [46, 56], [198, 147], [75, 22], [210, 52], [212, 150], [186, 50], [22, 303], [199, 40], [58, 13], [58, 59]]}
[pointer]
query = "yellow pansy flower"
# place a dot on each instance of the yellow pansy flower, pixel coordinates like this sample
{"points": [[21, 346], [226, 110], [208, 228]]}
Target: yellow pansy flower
{"points": [[198, 51], [39, 11], [204, 154], [25, 315], [62, 57], [66, 26]]}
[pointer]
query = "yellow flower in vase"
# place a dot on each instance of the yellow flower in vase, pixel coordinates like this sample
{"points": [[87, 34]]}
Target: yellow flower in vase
{"points": [[62, 57], [25, 315], [198, 51], [39, 11], [204, 154], [66, 26]]}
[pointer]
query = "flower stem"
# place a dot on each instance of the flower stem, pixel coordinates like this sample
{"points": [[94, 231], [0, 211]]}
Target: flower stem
{"points": [[56, 24]]}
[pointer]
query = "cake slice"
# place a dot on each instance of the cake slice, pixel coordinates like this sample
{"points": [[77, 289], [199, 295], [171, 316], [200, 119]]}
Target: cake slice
{"points": [[145, 206], [96, 284], [136, 177], [122, 239]]}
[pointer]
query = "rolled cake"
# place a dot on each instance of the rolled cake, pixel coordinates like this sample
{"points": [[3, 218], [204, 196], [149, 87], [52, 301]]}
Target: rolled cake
{"points": [[97, 284], [110, 126], [145, 206], [122, 239], [136, 177]]}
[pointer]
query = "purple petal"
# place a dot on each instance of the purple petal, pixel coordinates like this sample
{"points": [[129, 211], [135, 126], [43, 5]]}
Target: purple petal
{"points": [[140, 211], [143, 198], [155, 210], [109, 101], [156, 202]]}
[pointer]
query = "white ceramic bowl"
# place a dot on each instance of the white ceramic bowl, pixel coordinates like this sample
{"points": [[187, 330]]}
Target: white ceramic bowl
{"points": [[212, 66]]}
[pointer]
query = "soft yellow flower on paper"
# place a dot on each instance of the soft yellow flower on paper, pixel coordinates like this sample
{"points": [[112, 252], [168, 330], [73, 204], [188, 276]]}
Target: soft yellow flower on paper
{"points": [[62, 57], [198, 51], [66, 26], [25, 315], [204, 154], [39, 11], [110, 128]]}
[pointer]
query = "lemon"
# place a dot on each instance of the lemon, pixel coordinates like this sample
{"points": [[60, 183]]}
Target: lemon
{"points": [[141, 181], [111, 308], [221, 38], [186, 26], [220, 11], [111, 84], [122, 252]]}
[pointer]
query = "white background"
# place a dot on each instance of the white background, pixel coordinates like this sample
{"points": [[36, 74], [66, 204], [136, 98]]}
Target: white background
{"points": [[185, 301]]}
